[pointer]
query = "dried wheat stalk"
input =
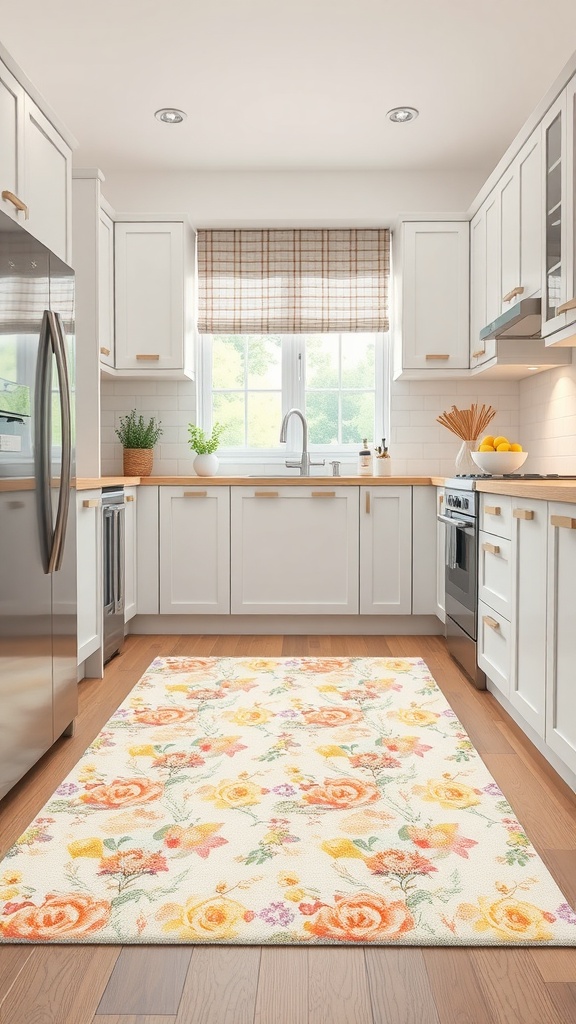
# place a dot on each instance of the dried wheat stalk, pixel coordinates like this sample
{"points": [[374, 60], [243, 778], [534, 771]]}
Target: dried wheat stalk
{"points": [[468, 424]]}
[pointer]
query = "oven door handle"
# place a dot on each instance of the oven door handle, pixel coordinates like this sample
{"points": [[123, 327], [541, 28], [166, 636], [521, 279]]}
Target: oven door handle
{"points": [[458, 524]]}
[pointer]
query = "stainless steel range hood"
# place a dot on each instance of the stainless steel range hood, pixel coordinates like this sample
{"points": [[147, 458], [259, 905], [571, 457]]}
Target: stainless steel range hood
{"points": [[522, 320]]}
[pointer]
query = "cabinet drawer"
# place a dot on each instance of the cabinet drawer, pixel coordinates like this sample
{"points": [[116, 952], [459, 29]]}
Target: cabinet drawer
{"points": [[495, 573], [494, 646], [496, 515]]}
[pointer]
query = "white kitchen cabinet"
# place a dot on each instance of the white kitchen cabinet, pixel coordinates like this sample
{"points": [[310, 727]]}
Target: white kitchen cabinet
{"points": [[35, 168], [561, 633], [294, 550], [432, 319], [153, 287], [440, 558], [495, 572], [559, 177], [385, 550], [89, 562], [494, 646], [529, 565], [106, 341], [130, 552], [147, 544], [195, 550]]}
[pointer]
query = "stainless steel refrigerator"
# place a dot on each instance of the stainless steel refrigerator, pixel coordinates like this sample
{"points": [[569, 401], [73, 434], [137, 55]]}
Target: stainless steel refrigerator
{"points": [[38, 673]]}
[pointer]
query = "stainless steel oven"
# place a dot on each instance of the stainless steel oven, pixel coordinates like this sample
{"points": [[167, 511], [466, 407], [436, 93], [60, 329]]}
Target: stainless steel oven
{"points": [[113, 512], [461, 577]]}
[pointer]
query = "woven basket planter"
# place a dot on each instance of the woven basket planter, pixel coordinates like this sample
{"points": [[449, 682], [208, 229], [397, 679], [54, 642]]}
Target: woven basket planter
{"points": [[138, 461]]}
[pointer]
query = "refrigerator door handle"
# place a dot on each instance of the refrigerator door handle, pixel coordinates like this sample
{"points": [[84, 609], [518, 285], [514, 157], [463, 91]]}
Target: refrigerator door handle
{"points": [[42, 430], [59, 348]]}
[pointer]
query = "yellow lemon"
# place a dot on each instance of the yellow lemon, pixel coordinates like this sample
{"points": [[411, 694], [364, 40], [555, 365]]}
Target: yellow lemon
{"points": [[516, 448], [500, 440], [486, 448], [489, 440], [504, 447]]}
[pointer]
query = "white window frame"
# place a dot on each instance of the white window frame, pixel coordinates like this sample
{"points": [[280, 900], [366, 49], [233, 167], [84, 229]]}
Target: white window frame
{"points": [[293, 395]]}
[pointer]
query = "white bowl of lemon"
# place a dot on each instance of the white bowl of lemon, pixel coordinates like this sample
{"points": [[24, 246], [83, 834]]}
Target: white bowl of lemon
{"points": [[497, 455]]}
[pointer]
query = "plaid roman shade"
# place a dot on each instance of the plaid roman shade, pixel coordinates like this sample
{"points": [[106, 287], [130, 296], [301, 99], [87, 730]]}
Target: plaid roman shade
{"points": [[293, 282]]}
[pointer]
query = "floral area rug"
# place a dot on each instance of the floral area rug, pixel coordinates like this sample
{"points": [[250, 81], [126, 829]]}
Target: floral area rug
{"points": [[284, 800]]}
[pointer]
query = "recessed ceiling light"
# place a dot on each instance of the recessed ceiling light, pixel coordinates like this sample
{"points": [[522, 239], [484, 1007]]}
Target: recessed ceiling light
{"points": [[170, 115], [533, 367], [402, 114]]}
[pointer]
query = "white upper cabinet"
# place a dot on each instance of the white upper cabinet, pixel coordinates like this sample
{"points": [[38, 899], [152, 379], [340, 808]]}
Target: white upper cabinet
{"points": [[35, 168], [106, 288], [153, 298], [559, 271], [432, 318]]}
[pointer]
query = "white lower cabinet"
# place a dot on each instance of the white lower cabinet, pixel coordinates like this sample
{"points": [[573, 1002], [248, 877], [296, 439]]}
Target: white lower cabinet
{"points": [[89, 564], [195, 550], [528, 557], [495, 572], [561, 633], [440, 558], [130, 552], [294, 550], [494, 646], [385, 550]]}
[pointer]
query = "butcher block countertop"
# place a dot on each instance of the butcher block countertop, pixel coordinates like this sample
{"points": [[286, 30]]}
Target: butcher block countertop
{"points": [[547, 490], [286, 481]]}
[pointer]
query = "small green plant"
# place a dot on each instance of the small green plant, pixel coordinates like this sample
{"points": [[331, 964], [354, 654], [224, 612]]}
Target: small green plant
{"points": [[200, 443], [133, 432]]}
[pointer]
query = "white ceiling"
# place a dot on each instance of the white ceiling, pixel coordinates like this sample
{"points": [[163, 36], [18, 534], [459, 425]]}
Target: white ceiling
{"points": [[292, 85]]}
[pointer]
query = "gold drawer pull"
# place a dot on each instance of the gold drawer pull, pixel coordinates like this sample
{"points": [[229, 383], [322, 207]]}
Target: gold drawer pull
{"points": [[489, 621], [150, 358], [523, 513], [15, 202], [323, 494], [563, 521], [91, 503], [433, 356], [195, 494], [129, 497], [492, 548], [440, 499], [368, 502], [104, 351], [479, 352], [571, 304], [265, 494], [492, 510], [512, 295]]}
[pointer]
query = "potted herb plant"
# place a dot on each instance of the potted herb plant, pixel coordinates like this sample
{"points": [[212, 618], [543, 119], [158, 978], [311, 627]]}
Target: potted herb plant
{"points": [[205, 463], [138, 438]]}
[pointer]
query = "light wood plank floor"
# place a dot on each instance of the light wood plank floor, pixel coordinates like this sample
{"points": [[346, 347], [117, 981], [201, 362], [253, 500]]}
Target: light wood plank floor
{"points": [[320, 985]]}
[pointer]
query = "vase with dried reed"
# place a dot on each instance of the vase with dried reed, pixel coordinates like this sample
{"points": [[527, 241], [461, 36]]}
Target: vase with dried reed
{"points": [[467, 424]]}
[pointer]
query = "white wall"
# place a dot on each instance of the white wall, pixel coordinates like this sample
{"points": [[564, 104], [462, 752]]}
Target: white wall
{"points": [[291, 199], [548, 419]]}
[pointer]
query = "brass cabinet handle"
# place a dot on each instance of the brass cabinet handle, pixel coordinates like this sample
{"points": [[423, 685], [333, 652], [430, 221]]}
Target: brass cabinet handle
{"points": [[150, 358], [129, 497], [565, 522], [479, 352], [440, 499], [512, 295], [16, 202], [104, 351], [571, 304], [492, 510], [523, 513], [368, 502], [492, 548], [91, 503], [265, 494], [433, 356], [489, 621], [323, 494], [195, 494]]}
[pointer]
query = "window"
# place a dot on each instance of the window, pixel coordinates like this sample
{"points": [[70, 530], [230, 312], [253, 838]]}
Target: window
{"points": [[251, 380]]}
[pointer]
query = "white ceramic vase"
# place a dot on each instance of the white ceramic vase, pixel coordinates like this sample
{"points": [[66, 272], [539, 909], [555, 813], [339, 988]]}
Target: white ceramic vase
{"points": [[206, 464]]}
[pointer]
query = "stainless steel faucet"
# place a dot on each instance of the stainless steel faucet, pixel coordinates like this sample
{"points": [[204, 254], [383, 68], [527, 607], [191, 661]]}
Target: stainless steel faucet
{"points": [[305, 461]]}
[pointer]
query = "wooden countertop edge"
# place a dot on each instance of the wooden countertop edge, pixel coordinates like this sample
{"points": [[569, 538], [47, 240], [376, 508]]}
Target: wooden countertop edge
{"points": [[284, 481], [546, 490]]}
